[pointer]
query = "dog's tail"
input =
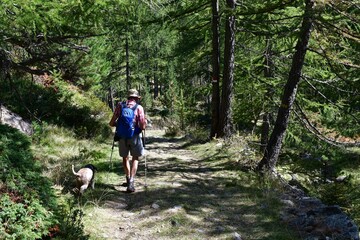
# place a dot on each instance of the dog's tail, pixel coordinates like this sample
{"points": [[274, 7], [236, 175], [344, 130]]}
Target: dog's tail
{"points": [[73, 170]]}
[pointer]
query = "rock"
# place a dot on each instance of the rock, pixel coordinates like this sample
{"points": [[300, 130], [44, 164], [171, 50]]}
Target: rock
{"points": [[287, 202], [237, 236], [200, 230], [341, 178], [315, 220], [13, 120], [309, 202], [155, 206], [175, 209], [330, 210], [219, 229]]}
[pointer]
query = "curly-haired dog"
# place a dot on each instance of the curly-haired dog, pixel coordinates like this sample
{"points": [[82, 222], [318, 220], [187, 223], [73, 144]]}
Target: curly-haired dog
{"points": [[84, 177]]}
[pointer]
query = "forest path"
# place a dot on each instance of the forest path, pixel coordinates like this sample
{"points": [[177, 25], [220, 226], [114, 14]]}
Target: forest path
{"points": [[185, 198]]}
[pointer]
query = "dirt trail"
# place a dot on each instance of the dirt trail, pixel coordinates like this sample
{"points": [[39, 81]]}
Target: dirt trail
{"points": [[184, 199]]}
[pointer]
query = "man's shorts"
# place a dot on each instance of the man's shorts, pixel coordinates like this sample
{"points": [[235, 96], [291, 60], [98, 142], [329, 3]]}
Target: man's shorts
{"points": [[133, 145]]}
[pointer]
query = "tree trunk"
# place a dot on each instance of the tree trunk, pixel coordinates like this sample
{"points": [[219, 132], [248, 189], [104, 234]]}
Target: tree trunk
{"points": [[128, 82], [273, 148], [225, 119], [156, 83], [265, 129], [215, 100], [111, 99], [4, 65]]}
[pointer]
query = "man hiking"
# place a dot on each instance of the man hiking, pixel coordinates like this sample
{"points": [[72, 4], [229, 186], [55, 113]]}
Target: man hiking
{"points": [[129, 120]]}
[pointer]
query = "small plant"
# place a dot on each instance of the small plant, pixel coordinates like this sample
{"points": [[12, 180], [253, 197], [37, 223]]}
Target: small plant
{"points": [[72, 227], [198, 135], [173, 131]]}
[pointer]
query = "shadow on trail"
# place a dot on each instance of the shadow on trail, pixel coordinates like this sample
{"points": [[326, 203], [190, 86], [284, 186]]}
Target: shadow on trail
{"points": [[159, 142], [162, 139], [180, 190], [218, 201]]}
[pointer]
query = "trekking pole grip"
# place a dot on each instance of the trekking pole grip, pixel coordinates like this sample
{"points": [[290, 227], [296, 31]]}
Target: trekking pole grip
{"points": [[143, 138]]}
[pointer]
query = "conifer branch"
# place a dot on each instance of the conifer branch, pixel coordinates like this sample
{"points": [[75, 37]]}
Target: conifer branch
{"points": [[343, 32], [30, 70], [328, 83], [353, 19], [267, 9], [312, 129], [327, 99], [176, 15], [329, 61]]}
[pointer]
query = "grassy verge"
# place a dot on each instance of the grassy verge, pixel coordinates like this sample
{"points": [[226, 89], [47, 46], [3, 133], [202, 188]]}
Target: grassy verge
{"points": [[253, 201]]}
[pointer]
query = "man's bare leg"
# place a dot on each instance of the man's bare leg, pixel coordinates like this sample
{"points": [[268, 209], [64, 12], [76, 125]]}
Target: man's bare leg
{"points": [[126, 166], [134, 166], [133, 170]]}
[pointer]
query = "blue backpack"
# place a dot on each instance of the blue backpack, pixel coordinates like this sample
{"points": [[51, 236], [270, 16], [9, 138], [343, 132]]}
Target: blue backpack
{"points": [[125, 127]]}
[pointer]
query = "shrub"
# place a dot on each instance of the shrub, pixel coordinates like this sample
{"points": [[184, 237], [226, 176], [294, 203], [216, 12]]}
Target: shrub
{"points": [[27, 199]]}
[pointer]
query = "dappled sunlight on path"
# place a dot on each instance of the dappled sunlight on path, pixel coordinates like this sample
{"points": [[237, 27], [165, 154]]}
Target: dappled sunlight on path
{"points": [[180, 197]]}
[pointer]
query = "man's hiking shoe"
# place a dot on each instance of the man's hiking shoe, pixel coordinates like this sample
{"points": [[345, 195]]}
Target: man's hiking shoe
{"points": [[126, 184], [131, 187]]}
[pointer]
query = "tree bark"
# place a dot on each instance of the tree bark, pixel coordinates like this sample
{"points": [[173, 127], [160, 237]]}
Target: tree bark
{"points": [[156, 83], [265, 129], [269, 160], [215, 99], [128, 82], [111, 99], [225, 119]]}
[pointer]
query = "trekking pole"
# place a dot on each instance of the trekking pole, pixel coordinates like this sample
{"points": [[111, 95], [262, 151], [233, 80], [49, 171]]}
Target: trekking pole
{"points": [[112, 150], [143, 140]]}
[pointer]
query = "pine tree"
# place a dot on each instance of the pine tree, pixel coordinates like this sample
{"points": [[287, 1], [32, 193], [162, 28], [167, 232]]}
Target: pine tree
{"points": [[273, 148], [225, 119]]}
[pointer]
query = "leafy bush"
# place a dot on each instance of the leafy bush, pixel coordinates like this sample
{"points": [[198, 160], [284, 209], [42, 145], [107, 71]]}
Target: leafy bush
{"points": [[29, 208], [23, 217], [27, 199], [71, 223], [198, 135]]}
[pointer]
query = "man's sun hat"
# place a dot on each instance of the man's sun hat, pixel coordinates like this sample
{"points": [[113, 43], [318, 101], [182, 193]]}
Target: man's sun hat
{"points": [[133, 93]]}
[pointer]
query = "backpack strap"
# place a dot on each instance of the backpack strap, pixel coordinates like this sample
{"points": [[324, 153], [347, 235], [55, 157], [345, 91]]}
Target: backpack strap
{"points": [[135, 107], [136, 122], [123, 105]]}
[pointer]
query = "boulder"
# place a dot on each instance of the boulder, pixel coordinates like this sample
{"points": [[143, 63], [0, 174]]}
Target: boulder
{"points": [[14, 120]]}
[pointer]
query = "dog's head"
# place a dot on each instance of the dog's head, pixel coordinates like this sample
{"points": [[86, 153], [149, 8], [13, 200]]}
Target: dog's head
{"points": [[92, 167]]}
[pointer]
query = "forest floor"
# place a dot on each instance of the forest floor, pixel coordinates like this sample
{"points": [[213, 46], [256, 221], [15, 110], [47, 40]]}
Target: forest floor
{"points": [[180, 196]]}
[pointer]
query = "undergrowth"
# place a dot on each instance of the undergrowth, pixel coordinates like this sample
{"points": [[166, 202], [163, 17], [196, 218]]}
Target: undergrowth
{"points": [[69, 126], [326, 172], [59, 104], [29, 206]]}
